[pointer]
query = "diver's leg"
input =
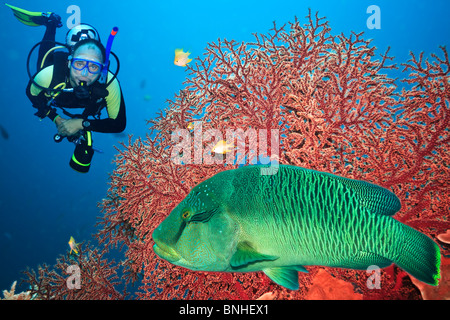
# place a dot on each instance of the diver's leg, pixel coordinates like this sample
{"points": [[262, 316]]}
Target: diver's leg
{"points": [[53, 22]]}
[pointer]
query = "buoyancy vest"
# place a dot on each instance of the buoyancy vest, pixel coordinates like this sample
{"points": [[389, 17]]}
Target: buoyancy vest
{"points": [[92, 105]]}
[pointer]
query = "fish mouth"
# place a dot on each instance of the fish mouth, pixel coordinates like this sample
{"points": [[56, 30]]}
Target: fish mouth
{"points": [[166, 253]]}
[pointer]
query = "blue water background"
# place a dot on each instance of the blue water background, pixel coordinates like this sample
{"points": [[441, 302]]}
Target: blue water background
{"points": [[42, 200]]}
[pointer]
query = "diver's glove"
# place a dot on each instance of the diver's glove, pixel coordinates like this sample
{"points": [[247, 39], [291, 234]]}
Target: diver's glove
{"points": [[82, 91], [44, 106], [45, 111]]}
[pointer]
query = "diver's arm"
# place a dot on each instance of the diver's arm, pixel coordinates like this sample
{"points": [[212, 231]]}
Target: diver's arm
{"points": [[115, 104], [37, 96], [110, 125]]}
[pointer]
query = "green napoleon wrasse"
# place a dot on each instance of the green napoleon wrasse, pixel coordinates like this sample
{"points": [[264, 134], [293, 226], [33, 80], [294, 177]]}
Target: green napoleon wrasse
{"points": [[242, 221]]}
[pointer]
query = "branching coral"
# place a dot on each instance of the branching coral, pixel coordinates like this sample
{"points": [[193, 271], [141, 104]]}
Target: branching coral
{"points": [[12, 295], [335, 110], [97, 278]]}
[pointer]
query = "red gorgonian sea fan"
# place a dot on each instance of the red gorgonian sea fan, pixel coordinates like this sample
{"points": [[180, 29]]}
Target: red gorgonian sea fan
{"points": [[87, 275], [335, 111]]}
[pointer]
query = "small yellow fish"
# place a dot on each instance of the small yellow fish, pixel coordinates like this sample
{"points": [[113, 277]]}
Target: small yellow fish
{"points": [[222, 147], [181, 58], [73, 246], [190, 126]]}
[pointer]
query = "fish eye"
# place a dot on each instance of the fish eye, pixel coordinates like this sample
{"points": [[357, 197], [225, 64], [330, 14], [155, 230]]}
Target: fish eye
{"points": [[186, 214]]}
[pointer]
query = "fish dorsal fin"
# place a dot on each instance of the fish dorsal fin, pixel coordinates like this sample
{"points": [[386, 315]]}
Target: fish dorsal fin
{"points": [[285, 276], [246, 254], [376, 199]]}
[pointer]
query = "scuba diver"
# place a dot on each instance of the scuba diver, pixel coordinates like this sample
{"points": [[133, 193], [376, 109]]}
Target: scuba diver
{"points": [[77, 79]]}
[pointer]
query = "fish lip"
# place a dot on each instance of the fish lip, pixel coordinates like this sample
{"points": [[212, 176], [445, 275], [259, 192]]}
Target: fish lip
{"points": [[166, 253]]}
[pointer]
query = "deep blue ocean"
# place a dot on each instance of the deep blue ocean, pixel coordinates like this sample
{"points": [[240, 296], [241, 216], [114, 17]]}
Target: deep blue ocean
{"points": [[42, 200]]}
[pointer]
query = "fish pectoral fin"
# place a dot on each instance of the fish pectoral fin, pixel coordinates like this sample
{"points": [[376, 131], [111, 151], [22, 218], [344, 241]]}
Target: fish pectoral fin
{"points": [[285, 276], [300, 268], [246, 254]]}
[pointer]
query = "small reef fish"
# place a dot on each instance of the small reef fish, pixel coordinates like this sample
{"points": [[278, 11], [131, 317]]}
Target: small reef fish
{"points": [[190, 126], [242, 221], [222, 147], [73, 246], [181, 58]]}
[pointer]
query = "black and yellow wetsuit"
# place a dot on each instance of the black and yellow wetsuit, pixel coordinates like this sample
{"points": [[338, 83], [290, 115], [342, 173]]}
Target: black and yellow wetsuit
{"points": [[110, 98]]}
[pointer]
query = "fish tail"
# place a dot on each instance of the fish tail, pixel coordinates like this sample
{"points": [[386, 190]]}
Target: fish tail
{"points": [[420, 256]]}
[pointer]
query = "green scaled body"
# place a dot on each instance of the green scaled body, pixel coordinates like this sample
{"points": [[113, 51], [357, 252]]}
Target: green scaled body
{"points": [[242, 221]]}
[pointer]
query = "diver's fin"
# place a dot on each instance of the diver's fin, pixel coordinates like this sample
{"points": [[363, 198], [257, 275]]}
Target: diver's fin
{"points": [[35, 19], [285, 276], [246, 254]]}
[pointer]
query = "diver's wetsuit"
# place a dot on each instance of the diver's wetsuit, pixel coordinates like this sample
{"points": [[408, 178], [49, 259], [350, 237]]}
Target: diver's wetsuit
{"points": [[48, 42], [54, 72], [113, 101]]}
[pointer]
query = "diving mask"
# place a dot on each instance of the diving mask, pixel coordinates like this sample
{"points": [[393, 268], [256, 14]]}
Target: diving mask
{"points": [[92, 66]]}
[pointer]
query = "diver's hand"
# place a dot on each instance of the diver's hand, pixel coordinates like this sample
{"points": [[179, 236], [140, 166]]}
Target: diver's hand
{"points": [[58, 120], [68, 128]]}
